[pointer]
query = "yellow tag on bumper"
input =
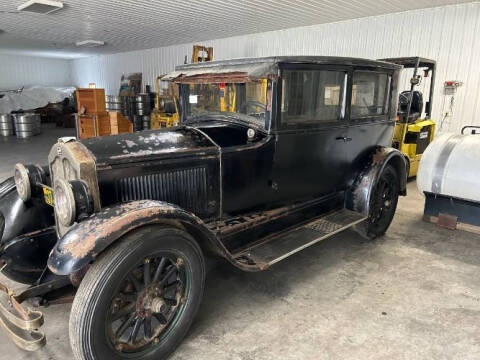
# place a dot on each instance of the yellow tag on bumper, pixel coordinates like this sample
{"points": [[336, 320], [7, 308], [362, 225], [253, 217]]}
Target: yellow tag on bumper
{"points": [[48, 195]]}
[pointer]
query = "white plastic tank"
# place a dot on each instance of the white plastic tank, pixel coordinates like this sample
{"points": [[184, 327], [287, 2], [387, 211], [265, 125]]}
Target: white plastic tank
{"points": [[451, 166]]}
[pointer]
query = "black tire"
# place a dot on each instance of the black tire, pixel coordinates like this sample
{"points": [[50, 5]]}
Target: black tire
{"points": [[407, 161], [89, 319], [380, 213]]}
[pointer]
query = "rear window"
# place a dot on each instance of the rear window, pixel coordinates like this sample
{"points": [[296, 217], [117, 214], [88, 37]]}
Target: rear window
{"points": [[370, 94], [310, 96]]}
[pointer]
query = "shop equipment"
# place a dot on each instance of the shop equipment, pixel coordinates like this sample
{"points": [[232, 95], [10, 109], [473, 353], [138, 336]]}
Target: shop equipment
{"points": [[202, 53], [413, 133], [449, 176], [165, 113]]}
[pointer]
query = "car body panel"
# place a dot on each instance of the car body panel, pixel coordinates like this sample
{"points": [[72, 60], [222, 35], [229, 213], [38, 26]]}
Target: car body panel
{"points": [[84, 241], [210, 177]]}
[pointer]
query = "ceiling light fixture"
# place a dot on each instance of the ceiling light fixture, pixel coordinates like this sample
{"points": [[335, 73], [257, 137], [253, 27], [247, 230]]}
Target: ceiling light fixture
{"points": [[90, 43], [41, 6]]}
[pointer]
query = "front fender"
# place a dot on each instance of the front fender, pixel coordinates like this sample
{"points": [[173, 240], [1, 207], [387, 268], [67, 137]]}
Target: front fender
{"points": [[87, 239], [19, 217], [358, 195]]}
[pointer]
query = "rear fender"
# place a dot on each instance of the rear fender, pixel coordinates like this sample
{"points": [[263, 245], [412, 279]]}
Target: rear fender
{"points": [[89, 238], [358, 196]]}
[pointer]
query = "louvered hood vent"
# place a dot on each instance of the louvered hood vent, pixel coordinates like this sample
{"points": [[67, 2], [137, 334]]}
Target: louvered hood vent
{"points": [[186, 188]]}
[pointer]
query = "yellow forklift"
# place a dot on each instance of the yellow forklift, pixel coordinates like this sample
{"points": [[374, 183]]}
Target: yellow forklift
{"points": [[165, 113], [413, 133], [228, 94]]}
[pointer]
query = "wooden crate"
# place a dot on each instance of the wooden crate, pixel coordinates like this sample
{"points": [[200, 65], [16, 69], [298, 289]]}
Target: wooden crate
{"points": [[119, 124], [103, 124], [93, 125], [93, 100], [85, 126]]}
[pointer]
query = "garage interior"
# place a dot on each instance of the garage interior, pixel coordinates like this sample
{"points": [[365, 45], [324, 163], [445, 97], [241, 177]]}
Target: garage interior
{"points": [[413, 293]]}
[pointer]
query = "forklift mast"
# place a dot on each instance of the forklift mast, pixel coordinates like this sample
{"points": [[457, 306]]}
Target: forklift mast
{"points": [[417, 63]]}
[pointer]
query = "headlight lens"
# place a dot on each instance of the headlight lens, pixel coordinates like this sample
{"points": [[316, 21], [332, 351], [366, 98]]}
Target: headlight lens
{"points": [[64, 202], [22, 181]]}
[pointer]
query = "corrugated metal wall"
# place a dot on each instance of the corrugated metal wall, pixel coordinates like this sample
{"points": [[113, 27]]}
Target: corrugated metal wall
{"points": [[18, 70], [448, 34]]}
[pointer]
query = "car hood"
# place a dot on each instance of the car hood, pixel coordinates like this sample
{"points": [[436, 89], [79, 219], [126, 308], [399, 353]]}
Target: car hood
{"points": [[147, 145]]}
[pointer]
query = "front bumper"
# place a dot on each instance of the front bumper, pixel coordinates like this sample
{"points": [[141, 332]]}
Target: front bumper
{"points": [[20, 324]]}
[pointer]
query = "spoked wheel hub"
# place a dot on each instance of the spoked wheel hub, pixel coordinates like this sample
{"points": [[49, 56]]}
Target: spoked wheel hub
{"points": [[147, 303], [383, 199], [383, 203]]}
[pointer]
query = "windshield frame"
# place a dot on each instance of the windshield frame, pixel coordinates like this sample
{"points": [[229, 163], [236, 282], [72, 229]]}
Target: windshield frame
{"points": [[240, 118]]}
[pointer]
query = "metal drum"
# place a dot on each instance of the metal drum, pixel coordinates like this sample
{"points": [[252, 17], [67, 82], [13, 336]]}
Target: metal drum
{"points": [[27, 125], [137, 123], [143, 104], [146, 122], [128, 105], [7, 127], [114, 103]]}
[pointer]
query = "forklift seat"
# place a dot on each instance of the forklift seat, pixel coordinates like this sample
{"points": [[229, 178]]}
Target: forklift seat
{"points": [[417, 104]]}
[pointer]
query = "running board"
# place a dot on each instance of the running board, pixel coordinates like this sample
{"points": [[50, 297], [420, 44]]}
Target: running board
{"points": [[280, 247]]}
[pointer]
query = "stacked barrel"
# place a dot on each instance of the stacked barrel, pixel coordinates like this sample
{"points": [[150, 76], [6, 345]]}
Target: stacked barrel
{"points": [[136, 108], [7, 127], [146, 122], [27, 125], [24, 125], [114, 103]]}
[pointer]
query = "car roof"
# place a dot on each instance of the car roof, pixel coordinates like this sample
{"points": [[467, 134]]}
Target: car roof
{"points": [[274, 60], [410, 62], [241, 70]]}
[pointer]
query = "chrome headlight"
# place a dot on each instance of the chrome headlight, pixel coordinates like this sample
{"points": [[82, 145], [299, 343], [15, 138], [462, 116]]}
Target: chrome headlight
{"points": [[64, 201], [27, 178], [22, 181], [72, 200]]}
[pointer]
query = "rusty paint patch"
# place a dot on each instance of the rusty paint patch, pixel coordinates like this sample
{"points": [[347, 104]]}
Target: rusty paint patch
{"points": [[83, 238]]}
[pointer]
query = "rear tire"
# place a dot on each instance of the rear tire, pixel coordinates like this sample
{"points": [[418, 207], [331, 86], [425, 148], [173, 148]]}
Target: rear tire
{"points": [[383, 204], [407, 160], [91, 334]]}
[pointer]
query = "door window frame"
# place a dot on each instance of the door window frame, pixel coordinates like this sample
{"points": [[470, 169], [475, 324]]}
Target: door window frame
{"points": [[314, 124], [374, 117]]}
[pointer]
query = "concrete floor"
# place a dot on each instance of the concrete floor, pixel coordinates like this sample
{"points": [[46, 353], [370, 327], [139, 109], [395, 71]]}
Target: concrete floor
{"points": [[33, 150], [412, 294]]}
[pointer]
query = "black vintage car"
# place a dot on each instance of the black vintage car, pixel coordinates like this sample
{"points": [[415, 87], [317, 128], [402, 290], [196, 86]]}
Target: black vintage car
{"points": [[272, 156]]}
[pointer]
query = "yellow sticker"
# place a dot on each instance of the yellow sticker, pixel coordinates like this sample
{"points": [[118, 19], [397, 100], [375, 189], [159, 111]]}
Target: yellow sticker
{"points": [[48, 195]]}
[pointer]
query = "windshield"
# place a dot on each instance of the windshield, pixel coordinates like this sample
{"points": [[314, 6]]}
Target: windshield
{"points": [[249, 101]]}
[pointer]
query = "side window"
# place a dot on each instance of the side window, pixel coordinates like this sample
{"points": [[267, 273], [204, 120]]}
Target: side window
{"points": [[311, 96], [370, 93]]}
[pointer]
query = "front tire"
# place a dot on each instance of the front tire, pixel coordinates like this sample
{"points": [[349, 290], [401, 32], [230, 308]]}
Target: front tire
{"points": [[139, 298]]}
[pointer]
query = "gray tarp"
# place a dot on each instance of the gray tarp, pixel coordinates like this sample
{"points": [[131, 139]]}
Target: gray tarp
{"points": [[33, 97]]}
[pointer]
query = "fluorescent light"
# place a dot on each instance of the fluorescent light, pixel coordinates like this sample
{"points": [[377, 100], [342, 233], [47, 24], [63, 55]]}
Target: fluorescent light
{"points": [[41, 6], [90, 43]]}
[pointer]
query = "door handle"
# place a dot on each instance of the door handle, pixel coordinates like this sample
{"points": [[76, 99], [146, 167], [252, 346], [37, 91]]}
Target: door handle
{"points": [[344, 138]]}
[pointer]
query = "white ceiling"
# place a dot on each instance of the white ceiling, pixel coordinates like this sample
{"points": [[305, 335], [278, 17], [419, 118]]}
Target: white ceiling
{"points": [[127, 25]]}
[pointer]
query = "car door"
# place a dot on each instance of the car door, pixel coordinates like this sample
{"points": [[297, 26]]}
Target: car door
{"points": [[311, 137], [371, 118]]}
